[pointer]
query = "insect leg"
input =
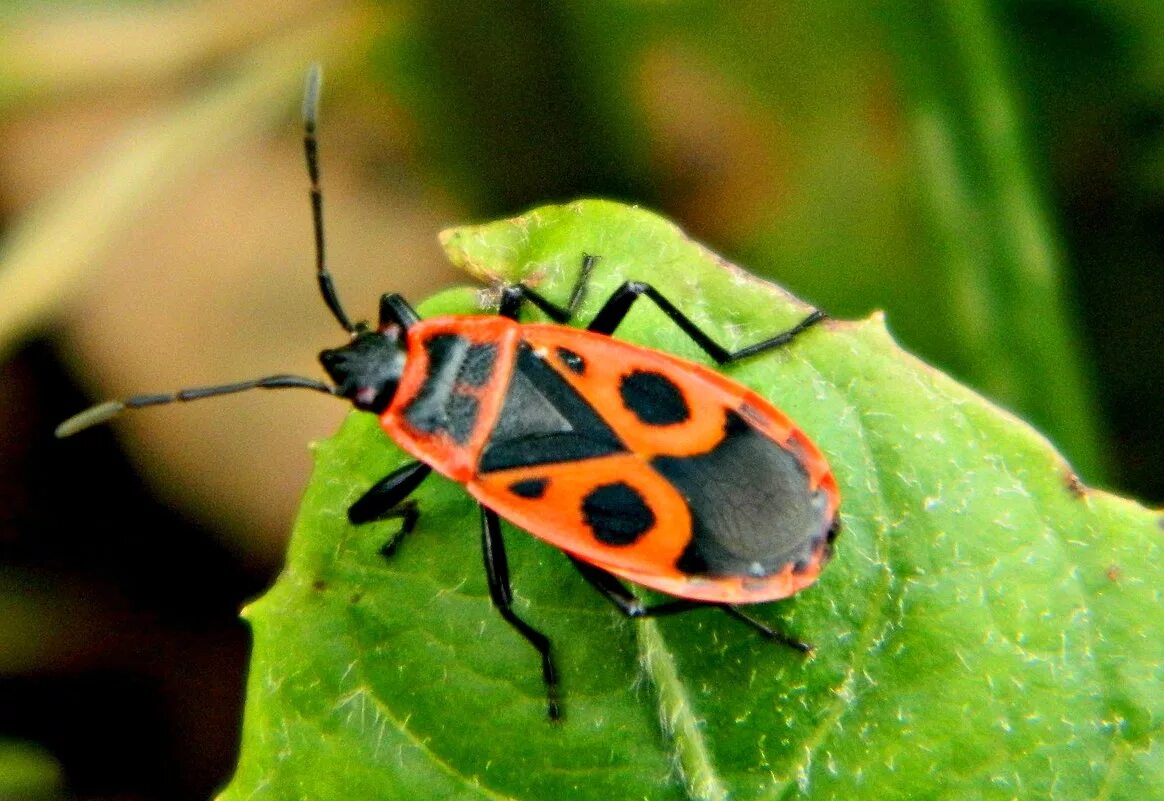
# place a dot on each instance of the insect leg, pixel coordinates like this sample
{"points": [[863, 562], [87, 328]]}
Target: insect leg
{"points": [[388, 498], [618, 594], [514, 295], [765, 630], [395, 310], [618, 305], [497, 575]]}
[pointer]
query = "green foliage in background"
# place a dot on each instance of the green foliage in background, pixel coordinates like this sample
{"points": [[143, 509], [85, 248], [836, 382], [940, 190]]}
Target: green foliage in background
{"points": [[28, 773], [880, 156], [988, 628]]}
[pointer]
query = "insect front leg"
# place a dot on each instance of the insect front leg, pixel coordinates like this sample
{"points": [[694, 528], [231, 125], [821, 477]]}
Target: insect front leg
{"points": [[620, 595], [514, 295], [395, 310], [611, 315], [497, 575], [388, 498]]}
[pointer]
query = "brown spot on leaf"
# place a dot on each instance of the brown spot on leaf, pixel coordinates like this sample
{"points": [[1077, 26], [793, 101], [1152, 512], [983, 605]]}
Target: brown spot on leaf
{"points": [[1074, 485]]}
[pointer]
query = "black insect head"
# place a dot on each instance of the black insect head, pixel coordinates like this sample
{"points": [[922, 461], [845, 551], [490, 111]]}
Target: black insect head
{"points": [[367, 370]]}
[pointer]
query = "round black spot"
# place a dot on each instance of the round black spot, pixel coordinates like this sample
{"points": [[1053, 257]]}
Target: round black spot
{"points": [[574, 363], [653, 398], [530, 487], [617, 514]]}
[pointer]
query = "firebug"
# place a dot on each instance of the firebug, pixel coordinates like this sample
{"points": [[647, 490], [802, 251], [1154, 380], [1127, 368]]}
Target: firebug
{"points": [[639, 465]]}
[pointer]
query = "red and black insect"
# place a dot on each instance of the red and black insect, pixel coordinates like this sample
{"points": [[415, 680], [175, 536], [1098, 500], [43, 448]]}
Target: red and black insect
{"points": [[639, 465]]}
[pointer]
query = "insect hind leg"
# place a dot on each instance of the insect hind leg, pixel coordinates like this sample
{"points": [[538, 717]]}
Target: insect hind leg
{"points": [[514, 296], [765, 630], [620, 595]]}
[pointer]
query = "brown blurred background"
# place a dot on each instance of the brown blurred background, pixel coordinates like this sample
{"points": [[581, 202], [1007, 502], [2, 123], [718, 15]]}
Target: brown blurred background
{"points": [[991, 174]]}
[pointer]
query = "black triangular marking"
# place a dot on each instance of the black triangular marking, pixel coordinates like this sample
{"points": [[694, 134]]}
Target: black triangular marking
{"points": [[544, 421]]}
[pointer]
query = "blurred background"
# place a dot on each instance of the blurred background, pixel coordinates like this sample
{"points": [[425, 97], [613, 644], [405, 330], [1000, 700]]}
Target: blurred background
{"points": [[991, 174]]}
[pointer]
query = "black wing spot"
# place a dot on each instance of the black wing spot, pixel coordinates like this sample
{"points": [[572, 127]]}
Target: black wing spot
{"points": [[530, 487], [574, 363], [617, 514], [654, 398]]}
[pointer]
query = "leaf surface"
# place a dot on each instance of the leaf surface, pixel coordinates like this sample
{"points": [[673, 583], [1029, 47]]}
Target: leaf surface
{"points": [[987, 629]]}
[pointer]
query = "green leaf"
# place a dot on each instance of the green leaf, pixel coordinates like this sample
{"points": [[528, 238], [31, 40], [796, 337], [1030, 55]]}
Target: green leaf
{"points": [[28, 772], [987, 629], [1000, 264]]}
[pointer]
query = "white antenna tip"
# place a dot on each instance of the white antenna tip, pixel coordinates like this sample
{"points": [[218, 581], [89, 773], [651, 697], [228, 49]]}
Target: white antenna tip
{"points": [[311, 94], [93, 416]]}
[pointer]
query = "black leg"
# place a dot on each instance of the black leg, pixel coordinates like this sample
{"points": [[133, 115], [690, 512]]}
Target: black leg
{"points": [[388, 499], [497, 574], [514, 295], [394, 309], [766, 631], [387, 493], [618, 594], [617, 305], [409, 513]]}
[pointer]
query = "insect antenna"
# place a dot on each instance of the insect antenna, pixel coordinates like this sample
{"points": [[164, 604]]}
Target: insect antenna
{"points": [[311, 150], [103, 412]]}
